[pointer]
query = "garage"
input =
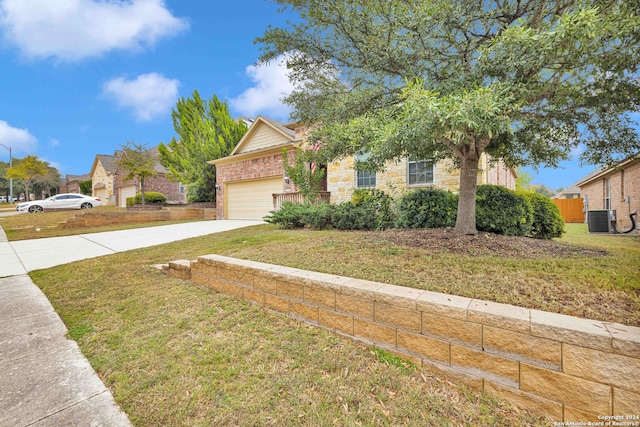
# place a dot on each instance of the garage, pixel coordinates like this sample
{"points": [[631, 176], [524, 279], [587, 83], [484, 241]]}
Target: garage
{"points": [[251, 199], [126, 192]]}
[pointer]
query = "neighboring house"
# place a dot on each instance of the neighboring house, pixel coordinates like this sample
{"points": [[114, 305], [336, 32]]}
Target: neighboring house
{"points": [[174, 191], [252, 177], [616, 188], [571, 192], [102, 177], [109, 184], [72, 183]]}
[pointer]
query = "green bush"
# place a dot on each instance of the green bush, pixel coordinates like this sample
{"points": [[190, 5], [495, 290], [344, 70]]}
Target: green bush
{"points": [[149, 197], [290, 215], [377, 204], [427, 208], [502, 211], [347, 216], [547, 221]]}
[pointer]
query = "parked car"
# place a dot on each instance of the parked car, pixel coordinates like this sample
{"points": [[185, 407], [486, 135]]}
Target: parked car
{"points": [[6, 199], [60, 201]]}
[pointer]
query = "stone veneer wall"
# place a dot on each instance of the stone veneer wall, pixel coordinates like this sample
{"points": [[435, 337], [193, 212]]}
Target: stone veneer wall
{"points": [[567, 368]]}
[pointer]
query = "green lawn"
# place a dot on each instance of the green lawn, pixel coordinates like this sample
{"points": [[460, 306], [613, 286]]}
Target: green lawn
{"points": [[174, 353]]}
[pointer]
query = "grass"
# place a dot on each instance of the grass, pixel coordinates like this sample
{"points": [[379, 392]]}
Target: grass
{"points": [[174, 353], [40, 225]]}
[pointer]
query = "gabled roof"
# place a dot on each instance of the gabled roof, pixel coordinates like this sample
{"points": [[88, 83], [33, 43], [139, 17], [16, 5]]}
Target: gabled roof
{"points": [[602, 171], [108, 162], [279, 127], [80, 178]]}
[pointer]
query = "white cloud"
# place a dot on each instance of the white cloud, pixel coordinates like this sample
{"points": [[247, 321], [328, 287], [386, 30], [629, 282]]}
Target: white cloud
{"points": [[72, 30], [271, 84], [19, 140], [148, 95], [54, 142]]}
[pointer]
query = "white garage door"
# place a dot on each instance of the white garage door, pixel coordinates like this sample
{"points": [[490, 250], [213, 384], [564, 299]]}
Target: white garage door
{"points": [[126, 192], [251, 199]]}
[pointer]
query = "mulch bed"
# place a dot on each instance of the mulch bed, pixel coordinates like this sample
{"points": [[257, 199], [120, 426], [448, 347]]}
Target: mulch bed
{"points": [[445, 241]]}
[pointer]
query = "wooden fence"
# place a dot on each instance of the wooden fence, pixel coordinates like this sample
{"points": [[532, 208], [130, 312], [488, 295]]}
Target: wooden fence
{"points": [[570, 209]]}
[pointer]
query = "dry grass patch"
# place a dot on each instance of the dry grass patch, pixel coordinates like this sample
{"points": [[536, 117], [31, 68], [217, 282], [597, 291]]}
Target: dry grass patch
{"points": [[174, 353], [46, 224]]}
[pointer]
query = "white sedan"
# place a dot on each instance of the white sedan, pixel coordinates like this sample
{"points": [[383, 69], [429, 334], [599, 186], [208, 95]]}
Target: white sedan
{"points": [[60, 201]]}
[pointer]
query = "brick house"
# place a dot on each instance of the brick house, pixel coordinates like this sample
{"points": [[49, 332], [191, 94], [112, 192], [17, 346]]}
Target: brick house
{"points": [[110, 186], [616, 188], [251, 179], [72, 183]]}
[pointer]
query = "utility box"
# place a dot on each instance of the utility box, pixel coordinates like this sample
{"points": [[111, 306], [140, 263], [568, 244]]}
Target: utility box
{"points": [[601, 221]]}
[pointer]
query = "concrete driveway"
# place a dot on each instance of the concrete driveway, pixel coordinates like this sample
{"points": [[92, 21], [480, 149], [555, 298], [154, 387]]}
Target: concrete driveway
{"points": [[45, 380]]}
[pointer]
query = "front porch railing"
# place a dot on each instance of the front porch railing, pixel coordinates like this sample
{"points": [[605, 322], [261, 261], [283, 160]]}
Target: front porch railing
{"points": [[280, 198]]}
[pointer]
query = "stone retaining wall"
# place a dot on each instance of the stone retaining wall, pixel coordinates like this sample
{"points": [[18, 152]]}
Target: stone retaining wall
{"points": [[95, 219], [567, 368]]}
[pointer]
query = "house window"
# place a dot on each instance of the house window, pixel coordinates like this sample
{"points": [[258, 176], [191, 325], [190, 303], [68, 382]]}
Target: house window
{"points": [[420, 172], [364, 178], [181, 188], [607, 194]]}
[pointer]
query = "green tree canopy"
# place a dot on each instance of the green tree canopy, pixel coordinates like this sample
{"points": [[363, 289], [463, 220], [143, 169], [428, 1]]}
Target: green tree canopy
{"points": [[27, 170], [138, 162], [523, 80], [206, 132]]}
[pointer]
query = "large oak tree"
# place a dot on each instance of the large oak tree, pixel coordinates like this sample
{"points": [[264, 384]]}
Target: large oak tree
{"points": [[527, 81]]}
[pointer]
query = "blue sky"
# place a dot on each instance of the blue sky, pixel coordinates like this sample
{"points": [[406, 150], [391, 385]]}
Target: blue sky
{"points": [[83, 77]]}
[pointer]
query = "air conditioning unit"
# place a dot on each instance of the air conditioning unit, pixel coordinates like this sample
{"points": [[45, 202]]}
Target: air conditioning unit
{"points": [[601, 221]]}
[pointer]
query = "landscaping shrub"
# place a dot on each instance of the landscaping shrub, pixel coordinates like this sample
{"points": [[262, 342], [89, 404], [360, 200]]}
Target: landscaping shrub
{"points": [[347, 216], [427, 208], [377, 204], [149, 197], [502, 211], [290, 215], [547, 221]]}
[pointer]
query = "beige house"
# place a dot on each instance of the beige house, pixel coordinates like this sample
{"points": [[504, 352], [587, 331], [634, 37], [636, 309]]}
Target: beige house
{"points": [[251, 181], [102, 177]]}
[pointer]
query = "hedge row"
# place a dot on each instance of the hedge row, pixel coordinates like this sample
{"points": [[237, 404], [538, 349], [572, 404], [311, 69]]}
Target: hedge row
{"points": [[498, 210], [149, 197]]}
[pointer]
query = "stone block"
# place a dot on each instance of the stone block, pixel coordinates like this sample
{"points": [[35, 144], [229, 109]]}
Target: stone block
{"points": [[537, 351], [453, 330], [472, 381], [305, 311], [485, 365], [575, 416], [572, 330], [580, 393], [398, 296], [401, 317], [364, 289], [432, 349], [502, 316], [254, 295], [537, 405], [277, 303], [337, 321], [266, 284], [354, 305], [443, 304], [289, 289], [607, 368], [626, 339], [323, 297], [374, 332], [626, 402]]}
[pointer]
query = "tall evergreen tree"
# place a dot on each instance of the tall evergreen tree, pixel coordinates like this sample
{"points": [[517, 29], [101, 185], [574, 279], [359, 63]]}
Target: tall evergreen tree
{"points": [[205, 132], [433, 79]]}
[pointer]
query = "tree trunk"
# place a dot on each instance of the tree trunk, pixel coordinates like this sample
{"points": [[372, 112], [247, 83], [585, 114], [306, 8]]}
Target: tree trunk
{"points": [[466, 221], [142, 190]]}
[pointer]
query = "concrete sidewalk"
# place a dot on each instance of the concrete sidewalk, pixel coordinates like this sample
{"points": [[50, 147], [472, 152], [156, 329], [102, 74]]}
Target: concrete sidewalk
{"points": [[45, 380]]}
